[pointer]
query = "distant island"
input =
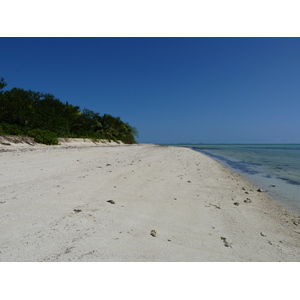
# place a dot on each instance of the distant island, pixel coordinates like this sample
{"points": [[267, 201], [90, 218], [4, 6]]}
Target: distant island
{"points": [[46, 118]]}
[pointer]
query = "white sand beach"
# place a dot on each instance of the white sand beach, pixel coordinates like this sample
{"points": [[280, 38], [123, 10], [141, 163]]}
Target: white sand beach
{"points": [[85, 201]]}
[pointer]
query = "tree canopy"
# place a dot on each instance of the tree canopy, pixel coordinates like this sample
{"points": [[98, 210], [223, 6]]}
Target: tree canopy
{"points": [[25, 112]]}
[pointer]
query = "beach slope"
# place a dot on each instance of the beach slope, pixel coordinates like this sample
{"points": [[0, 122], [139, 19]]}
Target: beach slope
{"points": [[135, 203]]}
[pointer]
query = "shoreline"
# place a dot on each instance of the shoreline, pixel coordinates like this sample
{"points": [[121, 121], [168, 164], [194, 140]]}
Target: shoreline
{"points": [[166, 204], [272, 184]]}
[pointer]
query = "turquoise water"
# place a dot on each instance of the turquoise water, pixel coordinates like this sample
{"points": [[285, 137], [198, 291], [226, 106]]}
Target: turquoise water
{"points": [[273, 168]]}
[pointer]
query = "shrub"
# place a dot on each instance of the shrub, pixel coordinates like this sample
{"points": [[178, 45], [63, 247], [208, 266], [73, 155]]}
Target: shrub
{"points": [[128, 140], [44, 136], [11, 129]]}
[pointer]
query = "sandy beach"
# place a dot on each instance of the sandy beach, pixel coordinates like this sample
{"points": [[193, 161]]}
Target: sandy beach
{"points": [[85, 201]]}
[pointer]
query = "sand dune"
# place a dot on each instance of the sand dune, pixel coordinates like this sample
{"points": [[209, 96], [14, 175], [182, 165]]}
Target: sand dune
{"points": [[86, 202]]}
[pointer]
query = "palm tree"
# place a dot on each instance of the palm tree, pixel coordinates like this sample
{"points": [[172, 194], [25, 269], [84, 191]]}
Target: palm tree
{"points": [[105, 126], [72, 114]]}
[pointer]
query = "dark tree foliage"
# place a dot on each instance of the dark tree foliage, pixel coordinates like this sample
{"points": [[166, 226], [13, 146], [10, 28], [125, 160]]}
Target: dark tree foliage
{"points": [[2, 83], [46, 118]]}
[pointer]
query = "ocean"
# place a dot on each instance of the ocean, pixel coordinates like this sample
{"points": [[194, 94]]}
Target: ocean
{"points": [[273, 168]]}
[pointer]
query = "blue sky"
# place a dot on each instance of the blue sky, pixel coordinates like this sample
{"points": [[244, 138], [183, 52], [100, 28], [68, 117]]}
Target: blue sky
{"points": [[173, 90]]}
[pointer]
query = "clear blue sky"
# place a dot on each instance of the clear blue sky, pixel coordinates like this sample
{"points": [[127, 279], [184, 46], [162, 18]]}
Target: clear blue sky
{"points": [[173, 90]]}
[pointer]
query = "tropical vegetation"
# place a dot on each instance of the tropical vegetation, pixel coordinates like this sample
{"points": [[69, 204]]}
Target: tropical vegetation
{"points": [[44, 117]]}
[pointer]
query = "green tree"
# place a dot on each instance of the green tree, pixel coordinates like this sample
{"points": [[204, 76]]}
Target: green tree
{"points": [[106, 127], [3, 84], [46, 117], [16, 107], [72, 114], [49, 115]]}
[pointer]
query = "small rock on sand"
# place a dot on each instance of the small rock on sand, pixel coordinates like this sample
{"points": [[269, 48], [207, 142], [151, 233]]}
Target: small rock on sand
{"points": [[111, 201], [153, 233], [226, 244]]}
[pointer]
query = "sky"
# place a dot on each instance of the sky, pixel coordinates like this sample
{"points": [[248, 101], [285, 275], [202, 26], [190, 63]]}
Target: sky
{"points": [[173, 90]]}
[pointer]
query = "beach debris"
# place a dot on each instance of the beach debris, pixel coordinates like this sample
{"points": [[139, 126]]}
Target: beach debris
{"points": [[77, 210], [216, 206], [260, 190], [111, 201], [108, 165], [153, 233], [295, 222], [236, 203], [243, 189], [226, 243], [68, 249], [263, 234], [248, 200], [189, 181], [175, 198]]}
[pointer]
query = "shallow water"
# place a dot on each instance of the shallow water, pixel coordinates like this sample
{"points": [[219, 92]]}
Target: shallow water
{"points": [[273, 168]]}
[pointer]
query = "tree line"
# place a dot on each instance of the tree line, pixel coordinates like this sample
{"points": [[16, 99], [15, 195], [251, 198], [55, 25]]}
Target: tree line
{"points": [[44, 117]]}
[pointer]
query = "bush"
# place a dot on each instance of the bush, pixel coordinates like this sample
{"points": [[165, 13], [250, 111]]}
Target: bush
{"points": [[11, 129], [128, 140], [43, 136], [84, 134]]}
